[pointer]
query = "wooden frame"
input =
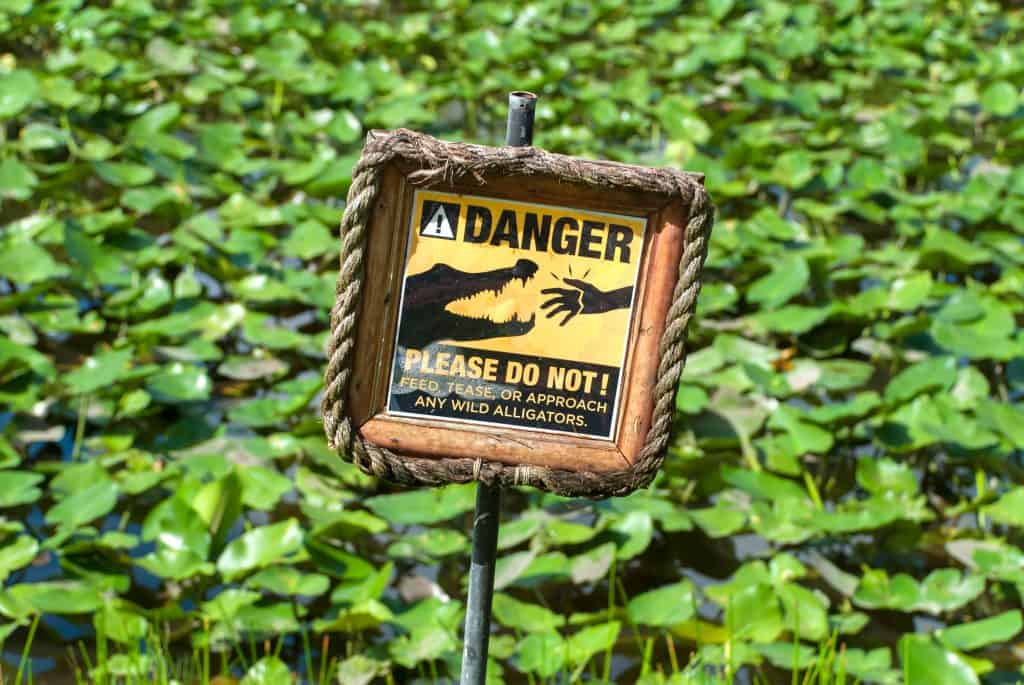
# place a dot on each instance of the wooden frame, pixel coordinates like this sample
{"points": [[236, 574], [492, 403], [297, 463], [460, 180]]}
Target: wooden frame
{"points": [[374, 338]]}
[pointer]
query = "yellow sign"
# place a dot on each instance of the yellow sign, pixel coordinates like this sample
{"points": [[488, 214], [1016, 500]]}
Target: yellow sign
{"points": [[515, 314]]}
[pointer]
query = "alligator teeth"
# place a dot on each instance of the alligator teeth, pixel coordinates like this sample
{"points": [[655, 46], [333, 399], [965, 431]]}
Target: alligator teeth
{"points": [[508, 302]]}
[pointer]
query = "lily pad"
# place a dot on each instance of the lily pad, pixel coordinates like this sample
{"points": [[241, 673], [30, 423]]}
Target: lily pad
{"points": [[260, 547]]}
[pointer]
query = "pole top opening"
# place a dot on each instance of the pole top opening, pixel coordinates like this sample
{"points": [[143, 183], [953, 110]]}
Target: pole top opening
{"points": [[521, 106]]}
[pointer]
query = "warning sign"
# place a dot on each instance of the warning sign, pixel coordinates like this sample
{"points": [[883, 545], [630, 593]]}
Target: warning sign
{"points": [[515, 314], [438, 220]]}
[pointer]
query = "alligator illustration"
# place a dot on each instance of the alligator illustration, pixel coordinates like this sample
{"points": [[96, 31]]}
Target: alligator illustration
{"points": [[425, 318]]}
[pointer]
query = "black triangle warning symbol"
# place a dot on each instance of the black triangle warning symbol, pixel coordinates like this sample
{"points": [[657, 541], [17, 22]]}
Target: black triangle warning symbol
{"points": [[438, 225]]}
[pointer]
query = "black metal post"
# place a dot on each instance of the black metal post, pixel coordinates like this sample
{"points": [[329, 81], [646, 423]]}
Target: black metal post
{"points": [[521, 106], [481, 585]]}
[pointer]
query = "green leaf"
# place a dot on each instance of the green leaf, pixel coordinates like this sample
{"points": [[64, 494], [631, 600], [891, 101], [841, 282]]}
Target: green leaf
{"points": [[262, 487], [17, 181], [793, 168], [17, 554], [949, 248], [593, 564], [121, 625], [428, 545], [267, 671], [720, 520], [58, 597], [633, 532], [24, 261], [124, 174], [100, 371], [934, 373], [582, 646], [876, 590], [361, 670], [19, 487], [542, 653], [793, 318], [885, 477], [1000, 98], [1008, 509], [805, 436], [910, 292], [976, 634], [219, 503], [529, 618], [843, 374], [18, 89], [308, 240], [84, 506], [260, 547], [805, 611], [1004, 418], [153, 121], [170, 57], [179, 383], [666, 606], [289, 582], [753, 614], [423, 506], [924, 661], [786, 280], [345, 127]]}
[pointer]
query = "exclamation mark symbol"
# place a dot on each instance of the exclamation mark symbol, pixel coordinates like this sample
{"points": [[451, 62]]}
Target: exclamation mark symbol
{"points": [[604, 384]]}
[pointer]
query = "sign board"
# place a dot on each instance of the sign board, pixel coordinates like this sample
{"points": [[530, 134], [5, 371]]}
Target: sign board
{"points": [[515, 314], [507, 317]]}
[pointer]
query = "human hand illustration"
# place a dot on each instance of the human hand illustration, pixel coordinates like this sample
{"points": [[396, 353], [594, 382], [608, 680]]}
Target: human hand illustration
{"points": [[583, 298]]}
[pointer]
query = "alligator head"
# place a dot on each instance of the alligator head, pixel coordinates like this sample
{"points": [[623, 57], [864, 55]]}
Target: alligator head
{"points": [[425, 315]]}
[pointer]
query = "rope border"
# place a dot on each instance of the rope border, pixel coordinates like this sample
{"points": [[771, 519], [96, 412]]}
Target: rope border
{"points": [[439, 162]]}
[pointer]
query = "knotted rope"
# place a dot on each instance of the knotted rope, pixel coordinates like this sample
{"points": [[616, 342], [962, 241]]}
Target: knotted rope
{"points": [[441, 162]]}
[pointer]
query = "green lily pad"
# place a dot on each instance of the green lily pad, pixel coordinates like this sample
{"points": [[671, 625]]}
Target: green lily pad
{"points": [[1000, 98], [528, 618], [786, 279], [287, 581], [665, 606], [926, 662], [57, 597], [99, 371], [592, 640], [179, 382], [18, 89], [936, 373], [84, 506], [267, 671], [17, 554], [260, 547], [423, 506], [976, 634], [19, 487], [542, 653], [124, 174], [16, 180]]}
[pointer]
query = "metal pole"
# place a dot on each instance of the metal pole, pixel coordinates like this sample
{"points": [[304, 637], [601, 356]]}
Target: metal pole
{"points": [[518, 133], [481, 585], [521, 106]]}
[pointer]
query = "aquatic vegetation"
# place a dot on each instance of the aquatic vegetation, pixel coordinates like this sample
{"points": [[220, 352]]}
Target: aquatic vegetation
{"points": [[841, 500]]}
